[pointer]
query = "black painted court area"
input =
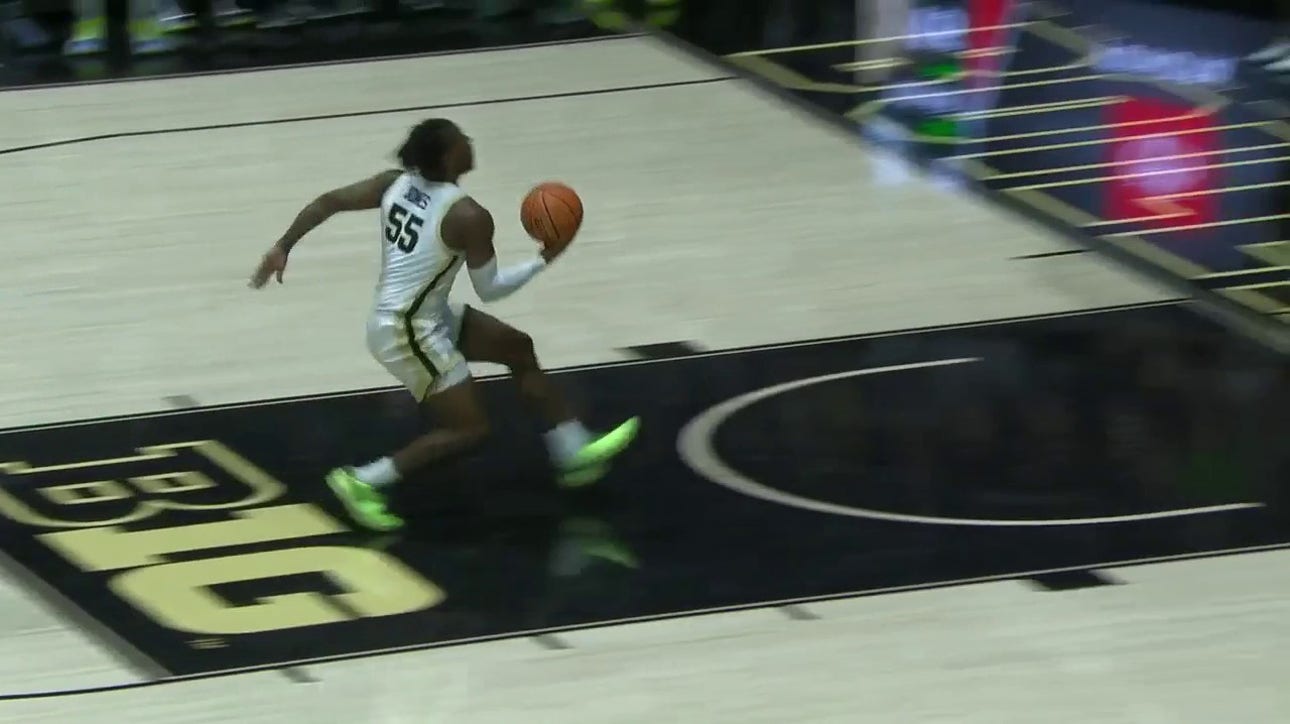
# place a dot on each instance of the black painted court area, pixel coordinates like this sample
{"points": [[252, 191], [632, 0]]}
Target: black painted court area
{"points": [[206, 540]]}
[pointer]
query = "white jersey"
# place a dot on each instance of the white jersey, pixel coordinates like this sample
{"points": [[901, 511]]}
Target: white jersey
{"points": [[417, 268]]}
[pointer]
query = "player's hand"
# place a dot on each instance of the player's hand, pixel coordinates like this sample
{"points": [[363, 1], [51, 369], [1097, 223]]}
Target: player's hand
{"points": [[553, 249], [273, 264]]}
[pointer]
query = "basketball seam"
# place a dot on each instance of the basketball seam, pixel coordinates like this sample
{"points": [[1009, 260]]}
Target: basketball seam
{"points": [[547, 220], [575, 213]]}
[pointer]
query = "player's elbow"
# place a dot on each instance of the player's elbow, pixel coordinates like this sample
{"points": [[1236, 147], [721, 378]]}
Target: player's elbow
{"points": [[328, 204], [484, 280], [489, 294]]}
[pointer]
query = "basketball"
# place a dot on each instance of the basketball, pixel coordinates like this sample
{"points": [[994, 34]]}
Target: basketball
{"points": [[551, 213]]}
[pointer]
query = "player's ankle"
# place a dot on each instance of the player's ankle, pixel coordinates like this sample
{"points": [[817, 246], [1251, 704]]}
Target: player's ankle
{"points": [[566, 440], [378, 473]]}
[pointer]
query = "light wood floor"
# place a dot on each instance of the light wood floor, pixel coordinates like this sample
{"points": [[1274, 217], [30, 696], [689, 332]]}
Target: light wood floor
{"points": [[714, 215]]}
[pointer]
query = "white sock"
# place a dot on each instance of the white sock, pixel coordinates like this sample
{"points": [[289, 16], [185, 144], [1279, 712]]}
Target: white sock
{"points": [[565, 440], [378, 473]]}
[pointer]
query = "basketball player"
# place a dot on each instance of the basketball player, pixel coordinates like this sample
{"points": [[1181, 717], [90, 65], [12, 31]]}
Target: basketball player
{"points": [[430, 226]]}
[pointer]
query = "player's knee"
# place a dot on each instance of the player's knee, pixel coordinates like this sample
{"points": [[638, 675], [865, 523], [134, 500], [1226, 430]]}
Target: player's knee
{"points": [[520, 352], [475, 432], [478, 433]]}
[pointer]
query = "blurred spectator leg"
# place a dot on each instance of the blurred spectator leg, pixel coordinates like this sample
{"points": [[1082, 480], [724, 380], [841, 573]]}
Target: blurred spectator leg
{"points": [[881, 23], [1276, 56], [89, 28], [419, 5], [493, 9], [228, 14], [147, 35], [174, 17], [559, 12], [19, 31], [10, 12], [285, 14], [328, 9], [663, 13]]}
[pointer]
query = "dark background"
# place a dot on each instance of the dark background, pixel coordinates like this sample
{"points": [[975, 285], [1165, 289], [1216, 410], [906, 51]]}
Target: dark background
{"points": [[35, 30]]}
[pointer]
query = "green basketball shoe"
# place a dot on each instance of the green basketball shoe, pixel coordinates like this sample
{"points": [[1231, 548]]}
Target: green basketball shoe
{"points": [[592, 462], [364, 503]]}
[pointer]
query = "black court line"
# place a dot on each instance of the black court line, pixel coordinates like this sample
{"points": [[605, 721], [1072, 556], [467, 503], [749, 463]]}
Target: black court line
{"points": [[798, 613], [551, 641], [1262, 328], [1023, 575], [663, 350], [359, 114], [1072, 580], [929, 329], [1051, 254], [298, 675], [314, 64]]}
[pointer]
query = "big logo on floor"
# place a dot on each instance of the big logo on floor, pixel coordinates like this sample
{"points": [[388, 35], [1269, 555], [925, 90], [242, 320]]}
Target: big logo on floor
{"points": [[200, 559]]}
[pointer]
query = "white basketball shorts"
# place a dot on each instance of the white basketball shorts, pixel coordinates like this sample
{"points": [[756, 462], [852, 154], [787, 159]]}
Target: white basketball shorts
{"points": [[420, 352]]}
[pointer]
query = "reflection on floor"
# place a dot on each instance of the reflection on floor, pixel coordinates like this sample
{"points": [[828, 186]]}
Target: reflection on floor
{"points": [[794, 471]]}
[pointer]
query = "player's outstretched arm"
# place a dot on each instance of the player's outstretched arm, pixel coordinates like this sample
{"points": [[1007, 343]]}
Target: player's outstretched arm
{"points": [[468, 228], [365, 194]]}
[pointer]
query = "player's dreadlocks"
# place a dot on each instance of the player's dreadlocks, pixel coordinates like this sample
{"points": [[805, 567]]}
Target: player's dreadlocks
{"points": [[427, 144]]}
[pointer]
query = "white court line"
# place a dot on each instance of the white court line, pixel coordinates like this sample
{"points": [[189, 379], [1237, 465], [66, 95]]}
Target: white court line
{"points": [[1218, 190], [1168, 201], [611, 364], [867, 41], [1122, 139], [992, 89], [788, 78], [694, 445], [1139, 174], [1036, 109], [972, 115], [859, 66], [1052, 107], [1205, 225], [1151, 159]]}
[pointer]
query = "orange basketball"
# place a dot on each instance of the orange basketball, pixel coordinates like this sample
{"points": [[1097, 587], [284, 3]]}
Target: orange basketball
{"points": [[551, 213]]}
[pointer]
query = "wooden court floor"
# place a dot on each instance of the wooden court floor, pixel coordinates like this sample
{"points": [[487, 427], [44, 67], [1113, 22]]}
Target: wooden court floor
{"points": [[133, 213]]}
